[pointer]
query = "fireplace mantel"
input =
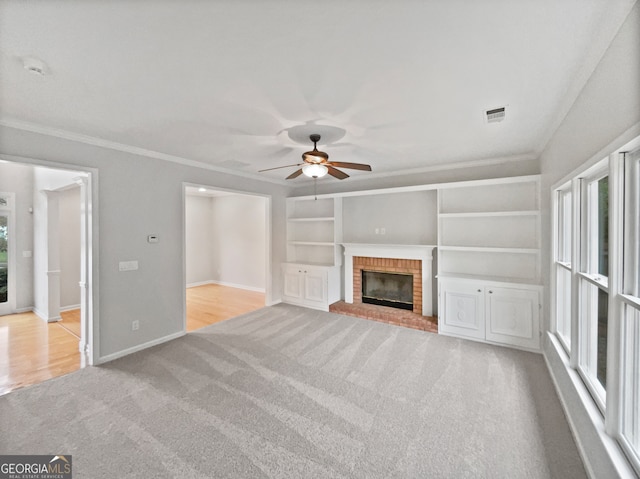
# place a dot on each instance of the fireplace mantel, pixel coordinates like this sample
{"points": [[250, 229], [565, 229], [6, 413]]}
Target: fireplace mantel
{"points": [[397, 251]]}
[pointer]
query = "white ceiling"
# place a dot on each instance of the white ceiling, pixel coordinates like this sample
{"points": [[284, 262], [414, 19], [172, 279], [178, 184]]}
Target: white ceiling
{"points": [[223, 82]]}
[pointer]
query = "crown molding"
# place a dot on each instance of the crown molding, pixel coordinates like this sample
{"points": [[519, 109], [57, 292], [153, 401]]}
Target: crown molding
{"points": [[134, 150]]}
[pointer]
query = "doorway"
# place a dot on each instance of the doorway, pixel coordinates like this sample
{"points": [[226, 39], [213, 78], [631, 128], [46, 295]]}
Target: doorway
{"points": [[7, 262], [37, 232], [227, 261]]}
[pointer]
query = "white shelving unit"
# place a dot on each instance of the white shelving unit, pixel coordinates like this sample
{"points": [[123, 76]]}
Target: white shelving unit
{"points": [[490, 229], [314, 233], [489, 260]]}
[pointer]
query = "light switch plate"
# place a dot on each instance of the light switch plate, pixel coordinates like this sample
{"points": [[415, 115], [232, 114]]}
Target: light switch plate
{"points": [[128, 265]]}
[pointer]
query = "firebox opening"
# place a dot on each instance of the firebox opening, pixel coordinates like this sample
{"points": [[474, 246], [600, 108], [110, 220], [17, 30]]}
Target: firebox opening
{"points": [[388, 289]]}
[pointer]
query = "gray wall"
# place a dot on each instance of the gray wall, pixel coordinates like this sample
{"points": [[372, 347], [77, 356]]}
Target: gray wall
{"points": [[408, 218], [133, 197], [604, 117], [238, 236], [225, 240], [18, 179], [198, 226]]}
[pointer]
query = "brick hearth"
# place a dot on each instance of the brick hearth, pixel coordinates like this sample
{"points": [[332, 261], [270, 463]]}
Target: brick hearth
{"points": [[384, 314], [399, 317]]}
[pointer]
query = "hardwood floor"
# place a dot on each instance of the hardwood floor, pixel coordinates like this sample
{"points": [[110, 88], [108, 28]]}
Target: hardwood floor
{"points": [[71, 321], [32, 350], [212, 303]]}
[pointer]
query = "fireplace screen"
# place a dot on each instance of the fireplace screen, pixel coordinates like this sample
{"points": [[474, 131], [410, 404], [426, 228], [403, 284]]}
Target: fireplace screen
{"points": [[388, 289]]}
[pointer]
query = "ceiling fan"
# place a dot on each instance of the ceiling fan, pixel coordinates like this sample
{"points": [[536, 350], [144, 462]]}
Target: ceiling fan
{"points": [[316, 164]]}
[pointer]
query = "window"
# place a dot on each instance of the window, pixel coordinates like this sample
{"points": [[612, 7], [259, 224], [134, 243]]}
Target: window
{"points": [[593, 283], [562, 264], [630, 298], [596, 290]]}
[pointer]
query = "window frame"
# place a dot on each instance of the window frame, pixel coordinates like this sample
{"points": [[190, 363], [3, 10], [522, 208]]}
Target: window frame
{"points": [[589, 281], [563, 236]]}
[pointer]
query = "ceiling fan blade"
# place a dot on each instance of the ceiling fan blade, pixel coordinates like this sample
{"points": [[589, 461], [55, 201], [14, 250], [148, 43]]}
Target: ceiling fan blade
{"points": [[353, 166], [295, 174], [341, 175], [278, 167]]}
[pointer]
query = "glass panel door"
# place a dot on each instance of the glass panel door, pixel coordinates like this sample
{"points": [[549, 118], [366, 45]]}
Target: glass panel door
{"points": [[4, 263]]}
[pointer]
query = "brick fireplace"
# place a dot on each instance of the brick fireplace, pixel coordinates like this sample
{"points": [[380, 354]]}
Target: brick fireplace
{"points": [[401, 259], [409, 259], [388, 265]]}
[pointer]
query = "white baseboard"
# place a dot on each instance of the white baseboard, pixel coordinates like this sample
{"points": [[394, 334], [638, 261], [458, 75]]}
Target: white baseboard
{"points": [[44, 317], [225, 283], [24, 310], [198, 283], [69, 308], [139, 347]]}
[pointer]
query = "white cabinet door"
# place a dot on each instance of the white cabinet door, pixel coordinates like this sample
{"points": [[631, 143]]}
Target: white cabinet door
{"points": [[463, 309], [513, 317], [306, 286], [315, 286], [293, 284]]}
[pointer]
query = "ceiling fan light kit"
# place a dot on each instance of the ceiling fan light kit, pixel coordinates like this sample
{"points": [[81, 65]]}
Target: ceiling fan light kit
{"points": [[314, 170], [316, 164]]}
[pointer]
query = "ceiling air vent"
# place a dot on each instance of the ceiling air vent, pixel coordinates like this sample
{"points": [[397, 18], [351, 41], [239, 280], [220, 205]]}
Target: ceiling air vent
{"points": [[495, 115]]}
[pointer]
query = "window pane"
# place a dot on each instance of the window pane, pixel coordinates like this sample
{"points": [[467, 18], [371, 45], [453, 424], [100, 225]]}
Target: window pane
{"points": [[603, 307], [631, 375], [563, 304], [603, 226], [593, 335], [564, 226]]}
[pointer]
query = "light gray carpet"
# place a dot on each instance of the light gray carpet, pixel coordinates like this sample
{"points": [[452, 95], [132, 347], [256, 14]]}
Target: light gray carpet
{"points": [[294, 393]]}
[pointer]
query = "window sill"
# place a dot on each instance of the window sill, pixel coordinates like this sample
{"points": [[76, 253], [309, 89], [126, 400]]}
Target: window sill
{"points": [[618, 458]]}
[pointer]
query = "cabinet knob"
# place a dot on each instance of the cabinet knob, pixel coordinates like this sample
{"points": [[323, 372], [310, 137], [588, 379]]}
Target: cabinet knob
{"points": [[490, 292], [479, 291]]}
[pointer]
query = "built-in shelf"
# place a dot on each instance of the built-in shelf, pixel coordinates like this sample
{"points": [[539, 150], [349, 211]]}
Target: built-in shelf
{"points": [[488, 214], [488, 249], [497, 280], [314, 229], [312, 243], [320, 218], [490, 231]]}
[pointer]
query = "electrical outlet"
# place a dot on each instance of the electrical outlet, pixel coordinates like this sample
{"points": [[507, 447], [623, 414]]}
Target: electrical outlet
{"points": [[383, 231], [135, 325], [377, 230]]}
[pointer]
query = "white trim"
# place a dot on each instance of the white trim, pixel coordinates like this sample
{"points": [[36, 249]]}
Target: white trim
{"points": [[427, 187], [225, 283], [441, 167], [623, 142], [613, 450], [45, 317], [71, 307], [93, 246], [9, 306], [134, 150], [139, 347]]}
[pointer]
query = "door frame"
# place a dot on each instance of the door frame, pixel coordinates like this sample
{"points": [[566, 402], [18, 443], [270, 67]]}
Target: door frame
{"points": [[90, 324], [268, 280], [10, 212]]}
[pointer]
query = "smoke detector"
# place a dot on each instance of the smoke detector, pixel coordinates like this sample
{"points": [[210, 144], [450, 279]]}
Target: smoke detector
{"points": [[35, 66], [496, 115]]}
